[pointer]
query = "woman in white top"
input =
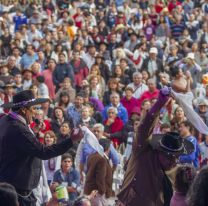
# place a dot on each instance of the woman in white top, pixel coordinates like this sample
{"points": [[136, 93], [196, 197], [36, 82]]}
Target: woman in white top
{"points": [[52, 164]]}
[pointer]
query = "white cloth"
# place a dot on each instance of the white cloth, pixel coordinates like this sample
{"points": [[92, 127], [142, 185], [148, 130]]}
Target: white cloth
{"points": [[203, 151], [42, 191], [185, 101], [91, 139], [50, 173]]}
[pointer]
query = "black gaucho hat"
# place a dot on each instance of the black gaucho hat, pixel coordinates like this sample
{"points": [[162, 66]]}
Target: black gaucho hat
{"points": [[24, 99], [171, 142]]}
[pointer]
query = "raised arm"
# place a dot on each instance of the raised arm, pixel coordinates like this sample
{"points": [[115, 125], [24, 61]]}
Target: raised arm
{"points": [[147, 125]]}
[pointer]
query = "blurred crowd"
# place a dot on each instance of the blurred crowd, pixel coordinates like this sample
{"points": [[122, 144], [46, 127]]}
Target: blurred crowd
{"points": [[101, 63]]}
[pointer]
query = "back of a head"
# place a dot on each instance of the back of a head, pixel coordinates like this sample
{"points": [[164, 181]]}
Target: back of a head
{"points": [[8, 195], [185, 175], [174, 71], [105, 143], [82, 201], [197, 195]]}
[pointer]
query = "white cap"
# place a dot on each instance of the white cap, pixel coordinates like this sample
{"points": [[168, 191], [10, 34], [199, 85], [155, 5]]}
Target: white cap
{"points": [[153, 50], [190, 56]]}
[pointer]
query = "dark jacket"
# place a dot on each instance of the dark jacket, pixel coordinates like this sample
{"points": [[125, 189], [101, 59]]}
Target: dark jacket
{"points": [[99, 175], [21, 154], [61, 71], [159, 63], [144, 178]]}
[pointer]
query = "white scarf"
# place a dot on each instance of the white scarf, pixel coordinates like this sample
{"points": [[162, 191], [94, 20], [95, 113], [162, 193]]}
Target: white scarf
{"points": [[185, 101]]}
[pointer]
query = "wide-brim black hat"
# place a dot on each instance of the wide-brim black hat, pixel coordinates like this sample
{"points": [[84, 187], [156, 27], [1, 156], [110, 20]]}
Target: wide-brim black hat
{"points": [[171, 142], [24, 99]]}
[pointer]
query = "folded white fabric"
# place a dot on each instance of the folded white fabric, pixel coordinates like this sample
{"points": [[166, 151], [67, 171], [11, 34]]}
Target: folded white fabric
{"points": [[185, 101]]}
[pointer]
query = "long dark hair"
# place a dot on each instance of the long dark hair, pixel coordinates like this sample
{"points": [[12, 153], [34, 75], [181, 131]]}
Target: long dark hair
{"points": [[184, 177], [198, 194]]}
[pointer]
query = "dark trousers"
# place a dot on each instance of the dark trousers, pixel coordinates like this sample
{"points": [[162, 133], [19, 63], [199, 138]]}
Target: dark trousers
{"points": [[26, 198]]}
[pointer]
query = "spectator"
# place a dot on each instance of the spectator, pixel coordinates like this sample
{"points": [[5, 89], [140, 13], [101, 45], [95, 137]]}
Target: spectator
{"points": [[184, 177], [80, 70], [113, 86], [128, 101], [199, 189], [53, 164], [66, 87], [98, 130], [48, 75], [185, 132], [121, 110], [43, 124], [122, 78], [4, 74], [29, 57], [178, 117], [13, 69], [74, 111], [86, 117], [42, 87], [64, 100], [138, 87], [69, 176], [65, 129], [61, 71], [113, 124], [99, 175], [8, 195], [59, 117], [153, 64], [151, 93], [204, 151]]}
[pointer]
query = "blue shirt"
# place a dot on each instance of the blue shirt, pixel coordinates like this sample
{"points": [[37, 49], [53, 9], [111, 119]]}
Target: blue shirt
{"points": [[19, 20], [193, 157], [122, 113], [74, 114], [87, 150], [27, 60], [72, 179]]}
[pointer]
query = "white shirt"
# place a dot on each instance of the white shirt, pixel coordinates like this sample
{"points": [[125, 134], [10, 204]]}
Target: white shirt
{"points": [[138, 90]]}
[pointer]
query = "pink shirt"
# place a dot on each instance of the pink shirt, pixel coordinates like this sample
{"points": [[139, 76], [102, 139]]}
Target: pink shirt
{"points": [[49, 82], [178, 199], [129, 104]]}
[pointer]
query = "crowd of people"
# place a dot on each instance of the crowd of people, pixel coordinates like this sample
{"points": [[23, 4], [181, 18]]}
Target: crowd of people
{"points": [[101, 64]]}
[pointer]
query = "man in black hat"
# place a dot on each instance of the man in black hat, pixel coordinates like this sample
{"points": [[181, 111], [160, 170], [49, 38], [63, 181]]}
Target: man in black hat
{"points": [[20, 151], [145, 182]]}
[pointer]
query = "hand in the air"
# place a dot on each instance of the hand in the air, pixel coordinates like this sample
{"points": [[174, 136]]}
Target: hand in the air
{"points": [[165, 91], [77, 134]]}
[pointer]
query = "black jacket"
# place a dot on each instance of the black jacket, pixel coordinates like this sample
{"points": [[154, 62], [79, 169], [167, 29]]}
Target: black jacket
{"points": [[21, 154], [159, 63], [61, 71]]}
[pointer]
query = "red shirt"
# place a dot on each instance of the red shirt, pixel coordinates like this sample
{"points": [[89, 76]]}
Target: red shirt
{"points": [[172, 6], [115, 127], [148, 95], [78, 20], [45, 128]]}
